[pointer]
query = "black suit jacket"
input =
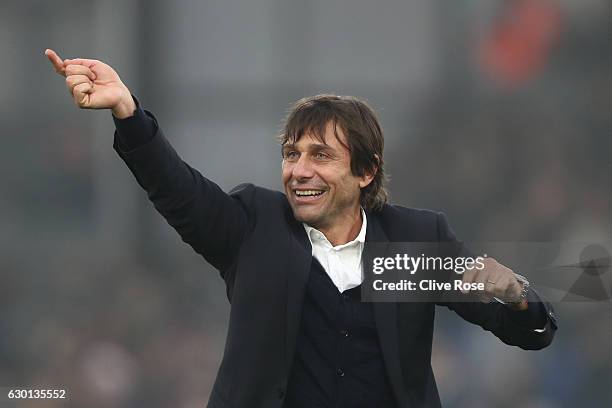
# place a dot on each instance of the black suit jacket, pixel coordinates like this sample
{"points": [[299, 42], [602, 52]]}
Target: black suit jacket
{"points": [[263, 255]]}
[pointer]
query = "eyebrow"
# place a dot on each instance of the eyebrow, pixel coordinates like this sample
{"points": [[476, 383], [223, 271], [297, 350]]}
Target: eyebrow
{"points": [[314, 147]]}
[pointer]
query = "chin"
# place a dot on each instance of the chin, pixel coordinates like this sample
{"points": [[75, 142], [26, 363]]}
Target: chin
{"points": [[306, 217]]}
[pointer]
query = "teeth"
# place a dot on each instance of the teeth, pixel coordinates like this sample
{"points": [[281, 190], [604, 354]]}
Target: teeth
{"points": [[308, 192]]}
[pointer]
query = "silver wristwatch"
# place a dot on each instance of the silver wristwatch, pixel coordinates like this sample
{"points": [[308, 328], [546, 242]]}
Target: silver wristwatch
{"points": [[525, 284]]}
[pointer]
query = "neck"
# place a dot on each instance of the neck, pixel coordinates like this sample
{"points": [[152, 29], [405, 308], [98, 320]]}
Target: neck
{"points": [[344, 229]]}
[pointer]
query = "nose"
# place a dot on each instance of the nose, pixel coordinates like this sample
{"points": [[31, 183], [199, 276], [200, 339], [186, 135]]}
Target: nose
{"points": [[303, 168]]}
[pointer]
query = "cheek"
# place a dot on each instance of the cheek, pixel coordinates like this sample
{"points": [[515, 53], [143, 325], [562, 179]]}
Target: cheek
{"points": [[350, 186], [286, 172]]}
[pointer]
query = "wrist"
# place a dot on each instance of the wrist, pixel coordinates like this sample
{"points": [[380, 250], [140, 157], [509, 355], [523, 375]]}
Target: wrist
{"points": [[126, 106], [520, 303]]}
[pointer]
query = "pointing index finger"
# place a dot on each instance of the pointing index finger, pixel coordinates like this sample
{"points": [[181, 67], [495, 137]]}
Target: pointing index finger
{"points": [[58, 65]]}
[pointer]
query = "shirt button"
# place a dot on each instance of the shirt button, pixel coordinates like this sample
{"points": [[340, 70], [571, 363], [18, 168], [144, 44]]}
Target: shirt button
{"points": [[340, 372], [344, 332]]}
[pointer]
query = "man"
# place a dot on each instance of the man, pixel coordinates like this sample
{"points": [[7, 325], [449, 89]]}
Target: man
{"points": [[299, 334]]}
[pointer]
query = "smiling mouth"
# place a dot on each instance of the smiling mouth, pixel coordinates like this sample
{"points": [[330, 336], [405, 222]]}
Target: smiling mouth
{"points": [[308, 195]]}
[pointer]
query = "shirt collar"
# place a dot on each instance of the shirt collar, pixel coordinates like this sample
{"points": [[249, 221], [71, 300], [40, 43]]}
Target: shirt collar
{"points": [[312, 233]]}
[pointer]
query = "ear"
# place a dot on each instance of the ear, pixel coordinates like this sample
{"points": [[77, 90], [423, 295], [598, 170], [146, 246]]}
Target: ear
{"points": [[367, 178]]}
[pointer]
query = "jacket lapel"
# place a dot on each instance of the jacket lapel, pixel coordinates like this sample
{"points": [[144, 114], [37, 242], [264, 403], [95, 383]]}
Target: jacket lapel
{"points": [[385, 314], [299, 259]]}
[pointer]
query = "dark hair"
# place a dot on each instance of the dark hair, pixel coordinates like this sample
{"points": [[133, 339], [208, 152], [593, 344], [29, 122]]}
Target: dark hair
{"points": [[364, 137]]}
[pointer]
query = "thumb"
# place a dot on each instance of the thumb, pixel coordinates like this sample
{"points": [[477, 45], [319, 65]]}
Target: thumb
{"points": [[81, 95]]}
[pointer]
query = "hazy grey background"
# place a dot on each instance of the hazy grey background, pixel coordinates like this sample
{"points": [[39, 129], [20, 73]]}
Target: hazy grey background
{"points": [[496, 112]]}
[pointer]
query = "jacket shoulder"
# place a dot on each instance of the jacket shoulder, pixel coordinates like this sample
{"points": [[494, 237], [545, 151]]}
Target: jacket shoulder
{"points": [[410, 224], [260, 203], [252, 195]]}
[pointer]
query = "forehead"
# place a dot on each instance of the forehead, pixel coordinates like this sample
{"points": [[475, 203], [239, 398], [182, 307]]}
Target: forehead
{"points": [[330, 135]]}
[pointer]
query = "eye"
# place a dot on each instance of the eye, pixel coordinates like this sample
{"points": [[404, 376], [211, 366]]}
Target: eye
{"points": [[290, 155], [321, 156]]}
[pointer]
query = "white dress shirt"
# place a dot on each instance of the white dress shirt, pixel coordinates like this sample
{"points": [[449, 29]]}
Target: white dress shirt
{"points": [[343, 262]]}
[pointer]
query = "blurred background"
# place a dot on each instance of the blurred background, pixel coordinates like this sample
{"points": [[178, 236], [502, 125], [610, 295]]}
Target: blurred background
{"points": [[496, 112]]}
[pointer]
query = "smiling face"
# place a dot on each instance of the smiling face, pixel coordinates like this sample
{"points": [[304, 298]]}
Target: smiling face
{"points": [[319, 184]]}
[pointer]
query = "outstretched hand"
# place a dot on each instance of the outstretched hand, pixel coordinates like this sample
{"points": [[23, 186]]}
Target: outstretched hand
{"points": [[94, 84]]}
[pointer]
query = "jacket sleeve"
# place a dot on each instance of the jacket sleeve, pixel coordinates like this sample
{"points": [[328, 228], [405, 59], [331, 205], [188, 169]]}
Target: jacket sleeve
{"points": [[531, 329], [212, 222]]}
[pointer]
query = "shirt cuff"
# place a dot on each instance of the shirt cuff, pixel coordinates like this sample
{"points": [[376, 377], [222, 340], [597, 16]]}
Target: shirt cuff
{"points": [[136, 130]]}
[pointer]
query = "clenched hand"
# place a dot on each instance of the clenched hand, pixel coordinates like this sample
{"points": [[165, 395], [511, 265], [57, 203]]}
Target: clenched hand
{"points": [[498, 281]]}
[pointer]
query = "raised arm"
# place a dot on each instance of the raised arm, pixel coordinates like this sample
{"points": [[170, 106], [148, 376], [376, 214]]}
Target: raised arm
{"points": [[212, 222]]}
